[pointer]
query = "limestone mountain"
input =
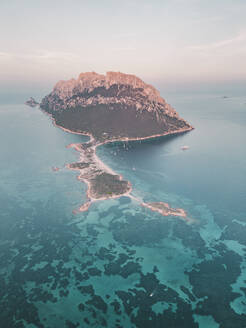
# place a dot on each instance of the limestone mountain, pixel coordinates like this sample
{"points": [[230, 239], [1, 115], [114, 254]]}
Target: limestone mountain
{"points": [[114, 106]]}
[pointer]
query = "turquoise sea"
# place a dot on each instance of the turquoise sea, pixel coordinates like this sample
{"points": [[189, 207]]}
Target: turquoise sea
{"points": [[119, 264]]}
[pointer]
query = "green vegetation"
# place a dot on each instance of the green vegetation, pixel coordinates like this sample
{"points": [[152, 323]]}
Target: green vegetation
{"points": [[106, 184]]}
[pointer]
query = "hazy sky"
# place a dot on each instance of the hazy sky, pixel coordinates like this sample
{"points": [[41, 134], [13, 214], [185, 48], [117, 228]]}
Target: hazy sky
{"points": [[170, 40]]}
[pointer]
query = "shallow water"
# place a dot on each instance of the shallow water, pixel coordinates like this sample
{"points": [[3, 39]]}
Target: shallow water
{"points": [[119, 264]]}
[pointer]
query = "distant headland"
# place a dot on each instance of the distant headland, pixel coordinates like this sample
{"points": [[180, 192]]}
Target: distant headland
{"points": [[109, 108]]}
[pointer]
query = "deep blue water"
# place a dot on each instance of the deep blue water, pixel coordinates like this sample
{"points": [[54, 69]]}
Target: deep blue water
{"points": [[121, 265]]}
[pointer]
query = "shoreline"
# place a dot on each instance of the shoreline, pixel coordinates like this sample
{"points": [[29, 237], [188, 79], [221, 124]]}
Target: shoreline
{"points": [[160, 207], [125, 139], [165, 209], [91, 198]]}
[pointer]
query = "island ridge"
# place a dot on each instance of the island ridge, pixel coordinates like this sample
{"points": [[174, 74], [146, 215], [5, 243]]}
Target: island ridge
{"points": [[109, 108]]}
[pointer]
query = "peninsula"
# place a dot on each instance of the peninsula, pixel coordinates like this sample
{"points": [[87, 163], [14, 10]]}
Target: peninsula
{"points": [[109, 108]]}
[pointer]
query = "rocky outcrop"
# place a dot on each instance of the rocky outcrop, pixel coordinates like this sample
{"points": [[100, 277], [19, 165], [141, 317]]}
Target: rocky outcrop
{"points": [[31, 102], [91, 80], [112, 106]]}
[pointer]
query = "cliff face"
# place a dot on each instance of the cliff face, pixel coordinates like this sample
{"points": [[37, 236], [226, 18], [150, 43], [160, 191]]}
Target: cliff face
{"points": [[112, 106]]}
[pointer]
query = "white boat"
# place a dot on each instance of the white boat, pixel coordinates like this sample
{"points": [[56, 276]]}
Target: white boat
{"points": [[185, 147]]}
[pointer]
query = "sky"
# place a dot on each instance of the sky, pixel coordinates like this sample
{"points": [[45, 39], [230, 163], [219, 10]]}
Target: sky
{"points": [[174, 41]]}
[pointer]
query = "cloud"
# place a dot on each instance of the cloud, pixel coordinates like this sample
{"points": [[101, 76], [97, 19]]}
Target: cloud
{"points": [[51, 55], [43, 65], [238, 42], [42, 55], [207, 20], [6, 55], [124, 49], [126, 35]]}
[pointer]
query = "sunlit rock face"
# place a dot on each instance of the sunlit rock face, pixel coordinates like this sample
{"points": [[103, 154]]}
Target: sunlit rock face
{"points": [[114, 106], [91, 80]]}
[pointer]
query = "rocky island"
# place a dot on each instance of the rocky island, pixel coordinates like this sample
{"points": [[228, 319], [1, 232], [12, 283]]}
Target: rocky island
{"points": [[31, 102], [112, 107], [109, 108]]}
